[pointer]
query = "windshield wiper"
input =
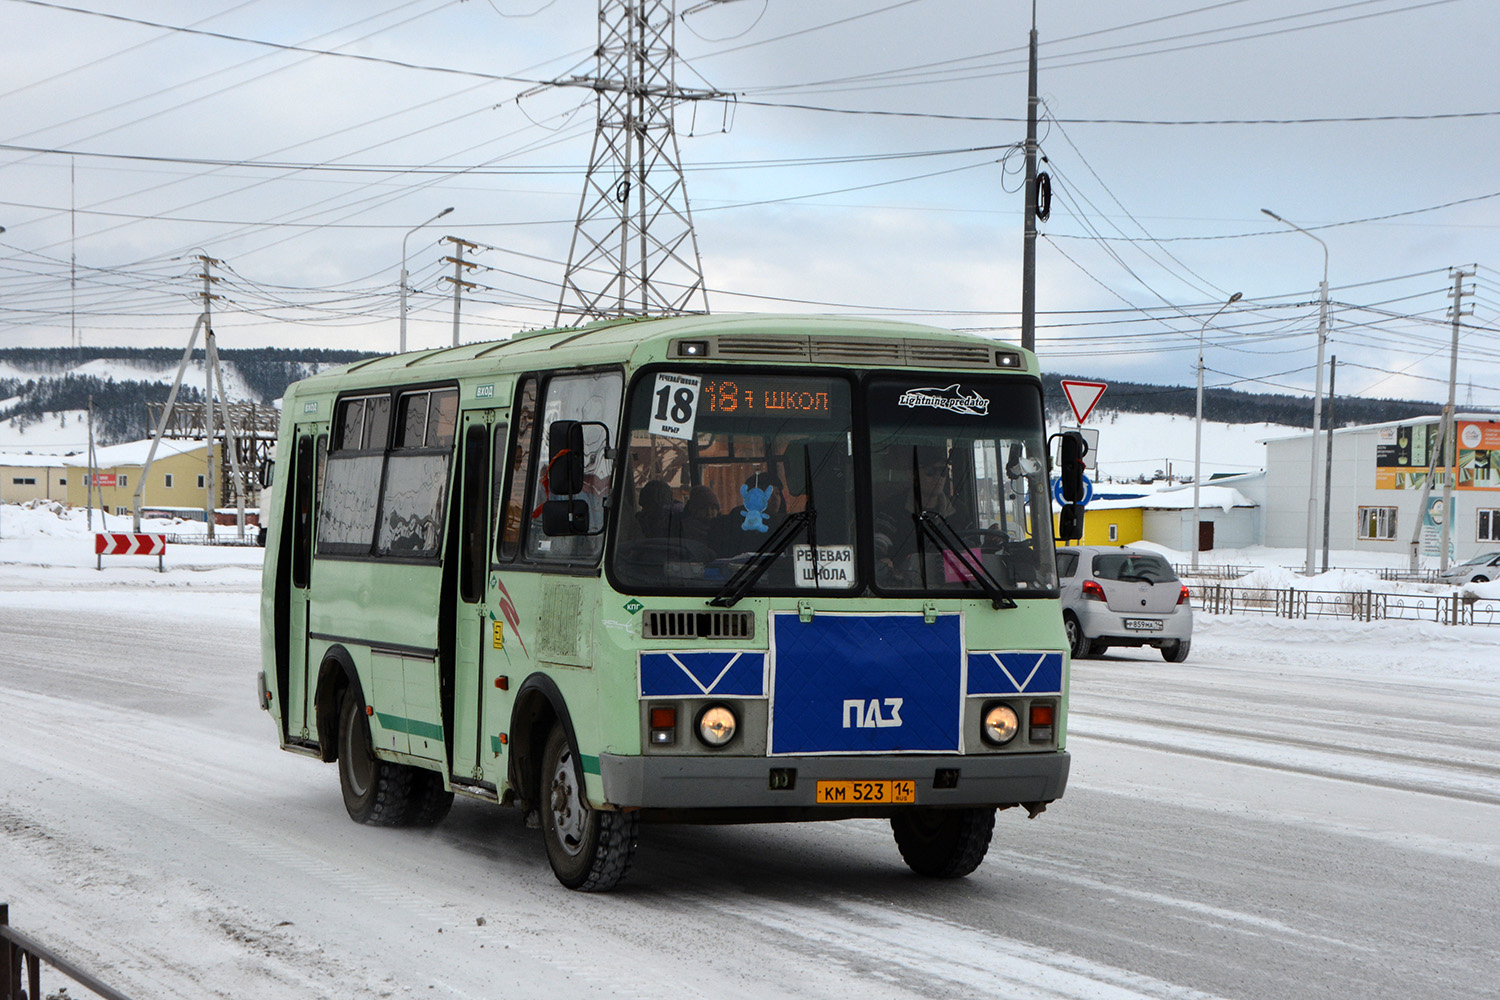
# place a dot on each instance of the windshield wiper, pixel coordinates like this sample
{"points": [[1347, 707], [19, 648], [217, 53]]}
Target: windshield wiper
{"points": [[936, 526], [761, 560], [745, 577], [931, 524]]}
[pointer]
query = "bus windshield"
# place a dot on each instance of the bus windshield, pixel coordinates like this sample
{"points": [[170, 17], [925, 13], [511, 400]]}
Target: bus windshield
{"points": [[967, 455], [720, 465], [747, 481]]}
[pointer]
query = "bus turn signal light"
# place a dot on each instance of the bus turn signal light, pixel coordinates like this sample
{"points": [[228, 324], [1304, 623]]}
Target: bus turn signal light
{"points": [[663, 726], [1041, 715]]}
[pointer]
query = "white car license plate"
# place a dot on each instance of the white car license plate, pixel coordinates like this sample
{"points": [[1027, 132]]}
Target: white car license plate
{"points": [[1143, 624]]}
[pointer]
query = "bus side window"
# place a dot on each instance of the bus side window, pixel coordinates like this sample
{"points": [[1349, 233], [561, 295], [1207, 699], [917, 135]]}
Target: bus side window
{"points": [[473, 553], [301, 484], [514, 514], [594, 399]]}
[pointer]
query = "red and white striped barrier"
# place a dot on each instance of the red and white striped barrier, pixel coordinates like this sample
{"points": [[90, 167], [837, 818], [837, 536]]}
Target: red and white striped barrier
{"points": [[125, 544]]}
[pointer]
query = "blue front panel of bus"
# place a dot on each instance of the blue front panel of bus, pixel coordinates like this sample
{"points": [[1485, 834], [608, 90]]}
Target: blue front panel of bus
{"points": [[866, 684]]}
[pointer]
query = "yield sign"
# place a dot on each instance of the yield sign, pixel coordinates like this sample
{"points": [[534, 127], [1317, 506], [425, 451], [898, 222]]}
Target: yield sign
{"points": [[1082, 396]]}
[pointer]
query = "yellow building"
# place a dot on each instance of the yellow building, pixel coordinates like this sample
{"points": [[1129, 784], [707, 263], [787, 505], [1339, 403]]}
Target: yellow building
{"points": [[177, 481], [1107, 524], [32, 477]]}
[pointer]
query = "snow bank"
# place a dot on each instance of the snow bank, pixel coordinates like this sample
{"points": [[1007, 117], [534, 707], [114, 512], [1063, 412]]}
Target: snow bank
{"points": [[46, 544]]}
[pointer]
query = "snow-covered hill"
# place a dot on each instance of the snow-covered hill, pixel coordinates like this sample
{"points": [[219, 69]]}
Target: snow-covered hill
{"points": [[1135, 444]]}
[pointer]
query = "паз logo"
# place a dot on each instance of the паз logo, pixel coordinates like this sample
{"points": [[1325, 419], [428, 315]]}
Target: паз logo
{"points": [[952, 399], [858, 715]]}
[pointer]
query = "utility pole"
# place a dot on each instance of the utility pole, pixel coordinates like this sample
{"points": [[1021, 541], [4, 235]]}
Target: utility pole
{"points": [[1312, 488], [1450, 428], [1333, 364], [210, 505], [93, 476], [213, 370], [459, 284], [634, 229], [1028, 247]]}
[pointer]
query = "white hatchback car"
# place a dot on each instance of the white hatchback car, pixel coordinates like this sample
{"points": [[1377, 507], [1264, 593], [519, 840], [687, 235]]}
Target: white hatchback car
{"points": [[1480, 569], [1123, 597]]}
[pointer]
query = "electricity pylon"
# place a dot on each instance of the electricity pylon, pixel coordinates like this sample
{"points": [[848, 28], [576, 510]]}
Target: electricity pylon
{"points": [[634, 252]]}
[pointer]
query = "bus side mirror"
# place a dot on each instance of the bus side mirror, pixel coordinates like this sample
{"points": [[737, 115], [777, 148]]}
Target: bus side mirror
{"points": [[1070, 522], [268, 473], [1072, 450], [564, 459], [565, 517]]}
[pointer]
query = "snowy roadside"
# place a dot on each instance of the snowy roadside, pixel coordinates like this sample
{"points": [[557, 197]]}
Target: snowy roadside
{"points": [[48, 546]]}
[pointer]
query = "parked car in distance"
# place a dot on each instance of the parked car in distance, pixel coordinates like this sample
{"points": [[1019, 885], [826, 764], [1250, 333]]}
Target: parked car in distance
{"points": [[1123, 597], [1480, 569]]}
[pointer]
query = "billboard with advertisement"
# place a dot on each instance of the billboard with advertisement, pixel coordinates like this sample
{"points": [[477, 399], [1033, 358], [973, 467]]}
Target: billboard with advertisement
{"points": [[1402, 454]]}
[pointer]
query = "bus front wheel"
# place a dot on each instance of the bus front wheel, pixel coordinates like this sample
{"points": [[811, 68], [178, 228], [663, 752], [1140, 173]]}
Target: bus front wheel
{"points": [[589, 849], [943, 843]]}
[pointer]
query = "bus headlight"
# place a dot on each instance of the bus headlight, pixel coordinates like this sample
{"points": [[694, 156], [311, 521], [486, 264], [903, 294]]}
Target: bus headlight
{"points": [[1000, 724], [716, 726]]}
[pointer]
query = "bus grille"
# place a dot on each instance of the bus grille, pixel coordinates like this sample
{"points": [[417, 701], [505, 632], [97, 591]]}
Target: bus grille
{"points": [[699, 625]]}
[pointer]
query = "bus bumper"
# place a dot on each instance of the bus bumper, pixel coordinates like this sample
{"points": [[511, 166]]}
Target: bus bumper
{"points": [[790, 783]]}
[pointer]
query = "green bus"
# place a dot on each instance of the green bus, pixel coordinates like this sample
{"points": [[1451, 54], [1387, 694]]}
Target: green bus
{"points": [[687, 569]]}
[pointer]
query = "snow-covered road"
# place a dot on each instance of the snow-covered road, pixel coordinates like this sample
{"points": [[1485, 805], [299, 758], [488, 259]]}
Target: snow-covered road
{"points": [[1303, 809]]}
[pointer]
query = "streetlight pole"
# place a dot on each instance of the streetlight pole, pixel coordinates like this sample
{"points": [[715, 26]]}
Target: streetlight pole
{"points": [[1198, 431], [1312, 489], [403, 270]]}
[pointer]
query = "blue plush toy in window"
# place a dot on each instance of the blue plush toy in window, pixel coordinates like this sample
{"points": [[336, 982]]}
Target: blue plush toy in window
{"points": [[762, 496]]}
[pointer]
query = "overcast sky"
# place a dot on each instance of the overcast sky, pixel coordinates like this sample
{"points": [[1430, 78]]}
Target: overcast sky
{"points": [[866, 166]]}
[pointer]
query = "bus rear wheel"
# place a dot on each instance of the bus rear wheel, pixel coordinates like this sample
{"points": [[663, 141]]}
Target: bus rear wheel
{"points": [[589, 849], [376, 791], [943, 843]]}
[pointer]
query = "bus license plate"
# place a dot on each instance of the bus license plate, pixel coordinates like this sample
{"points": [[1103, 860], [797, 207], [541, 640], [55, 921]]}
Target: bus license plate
{"points": [[1143, 624], [839, 793]]}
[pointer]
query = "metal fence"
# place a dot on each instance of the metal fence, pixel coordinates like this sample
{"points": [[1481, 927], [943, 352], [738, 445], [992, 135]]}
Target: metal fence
{"points": [[221, 537], [1366, 606], [21, 958]]}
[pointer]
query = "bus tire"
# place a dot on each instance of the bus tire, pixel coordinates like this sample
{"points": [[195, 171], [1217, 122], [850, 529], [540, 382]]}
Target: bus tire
{"points": [[430, 801], [376, 791], [589, 849], [943, 843]]}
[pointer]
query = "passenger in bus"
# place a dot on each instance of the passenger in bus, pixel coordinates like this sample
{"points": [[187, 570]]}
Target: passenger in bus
{"points": [[660, 515], [699, 515]]}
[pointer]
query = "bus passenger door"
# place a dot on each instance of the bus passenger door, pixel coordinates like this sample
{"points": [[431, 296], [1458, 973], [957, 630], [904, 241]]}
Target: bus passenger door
{"points": [[474, 635], [297, 686]]}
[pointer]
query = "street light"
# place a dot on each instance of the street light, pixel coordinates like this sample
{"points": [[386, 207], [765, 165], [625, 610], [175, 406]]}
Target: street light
{"points": [[1312, 489], [403, 270], [1198, 430]]}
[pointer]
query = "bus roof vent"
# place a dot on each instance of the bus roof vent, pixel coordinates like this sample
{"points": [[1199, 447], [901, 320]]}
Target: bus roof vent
{"points": [[699, 625], [860, 352], [925, 352], [751, 347]]}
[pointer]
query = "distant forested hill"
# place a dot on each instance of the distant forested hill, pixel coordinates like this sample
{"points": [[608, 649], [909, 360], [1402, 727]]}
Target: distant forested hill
{"points": [[36, 383], [1231, 406]]}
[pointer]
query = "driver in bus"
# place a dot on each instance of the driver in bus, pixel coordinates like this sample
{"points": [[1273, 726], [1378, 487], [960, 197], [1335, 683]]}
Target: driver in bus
{"points": [[897, 553]]}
